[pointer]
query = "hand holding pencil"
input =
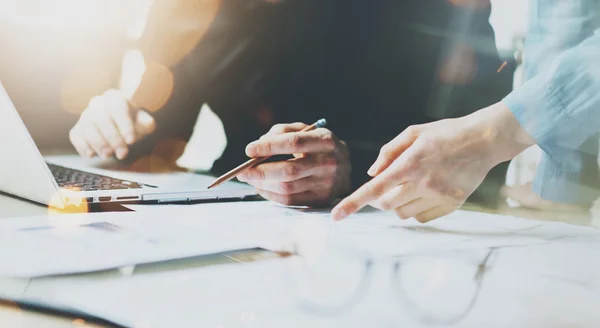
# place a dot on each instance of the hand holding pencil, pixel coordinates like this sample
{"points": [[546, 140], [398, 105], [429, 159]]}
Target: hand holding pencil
{"points": [[318, 171]]}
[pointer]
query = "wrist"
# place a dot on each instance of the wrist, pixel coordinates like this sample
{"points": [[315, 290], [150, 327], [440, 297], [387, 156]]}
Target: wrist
{"points": [[504, 135]]}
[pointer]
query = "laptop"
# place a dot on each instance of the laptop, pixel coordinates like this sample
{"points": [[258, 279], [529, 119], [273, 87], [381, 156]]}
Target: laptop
{"points": [[25, 173]]}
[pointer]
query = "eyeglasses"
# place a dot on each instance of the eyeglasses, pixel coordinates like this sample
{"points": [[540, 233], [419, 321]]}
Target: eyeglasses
{"points": [[435, 287]]}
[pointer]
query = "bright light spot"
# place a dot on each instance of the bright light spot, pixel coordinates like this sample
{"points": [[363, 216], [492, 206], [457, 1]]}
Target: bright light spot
{"points": [[151, 164], [66, 203], [144, 83], [79, 322], [207, 144], [459, 66], [64, 13], [134, 67], [81, 85], [175, 28], [156, 87], [138, 25]]}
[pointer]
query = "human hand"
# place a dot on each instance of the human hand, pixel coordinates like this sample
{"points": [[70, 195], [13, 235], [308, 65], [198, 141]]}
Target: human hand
{"points": [[108, 126], [319, 171], [526, 197], [429, 170]]}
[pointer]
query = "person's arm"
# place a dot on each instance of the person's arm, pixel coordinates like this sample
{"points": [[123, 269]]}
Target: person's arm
{"points": [[221, 70], [429, 170], [557, 106], [554, 27]]}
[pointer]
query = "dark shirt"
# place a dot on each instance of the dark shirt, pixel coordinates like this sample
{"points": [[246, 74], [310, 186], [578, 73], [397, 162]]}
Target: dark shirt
{"points": [[372, 68]]}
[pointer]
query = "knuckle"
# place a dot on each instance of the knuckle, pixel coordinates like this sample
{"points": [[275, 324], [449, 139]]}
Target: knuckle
{"points": [[328, 139], [329, 162], [412, 130], [291, 171], [295, 143], [278, 129], [265, 148], [386, 205], [326, 183], [329, 181], [254, 174], [400, 214], [257, 174], [410, 164], [351, 206], [377, 190], [286, 187], [386, 152], [431, 183], [398, 174]]}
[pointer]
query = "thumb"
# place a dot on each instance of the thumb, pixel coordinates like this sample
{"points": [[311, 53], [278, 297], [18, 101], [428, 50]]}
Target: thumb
{"points": [[144, 123], [392, 150]]}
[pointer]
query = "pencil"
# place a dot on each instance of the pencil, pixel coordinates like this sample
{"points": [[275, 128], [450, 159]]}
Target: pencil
{"points": [[255, 161]]}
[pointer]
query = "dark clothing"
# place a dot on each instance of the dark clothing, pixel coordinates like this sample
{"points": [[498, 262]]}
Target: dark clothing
{"points": [[372, 68]]}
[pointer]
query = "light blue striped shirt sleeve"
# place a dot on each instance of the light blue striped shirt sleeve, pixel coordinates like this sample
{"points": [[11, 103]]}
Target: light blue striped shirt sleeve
{"points": [[559, 105]]}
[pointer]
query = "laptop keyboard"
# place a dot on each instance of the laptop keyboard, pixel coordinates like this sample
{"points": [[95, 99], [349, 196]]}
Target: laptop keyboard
{"points": [[84, 181]]}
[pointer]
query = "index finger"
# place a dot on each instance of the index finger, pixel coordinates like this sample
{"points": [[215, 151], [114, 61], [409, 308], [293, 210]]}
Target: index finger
{"points": [[394, 149], [368, 193], [122, 116], [317, 141], [285, 128]]}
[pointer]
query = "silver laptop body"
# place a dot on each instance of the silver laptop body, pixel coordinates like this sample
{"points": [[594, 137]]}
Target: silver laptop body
{"points": [[24, 173]]}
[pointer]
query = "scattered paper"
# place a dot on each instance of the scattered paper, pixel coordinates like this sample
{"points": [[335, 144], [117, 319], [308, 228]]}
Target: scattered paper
{"points": [[39, 246], [514, 293]]}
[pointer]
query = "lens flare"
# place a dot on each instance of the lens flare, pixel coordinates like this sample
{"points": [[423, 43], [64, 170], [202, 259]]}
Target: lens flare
{"points": [[132, 72], [151, 164], [470, 3], [141, 9], [146, 84], [81, 85], [175, 28], [67, 204], [459, 66]]}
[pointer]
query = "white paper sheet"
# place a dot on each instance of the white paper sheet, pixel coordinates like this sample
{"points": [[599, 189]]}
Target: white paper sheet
{"points": [[535, 259], [60, 244], [238, 295], [513, 294], [370, 231], [81, 243], [386, 236]]}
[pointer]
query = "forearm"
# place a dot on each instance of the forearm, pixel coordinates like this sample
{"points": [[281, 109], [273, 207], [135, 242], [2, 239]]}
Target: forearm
{"points": [[559, 107], [502, 135]]}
